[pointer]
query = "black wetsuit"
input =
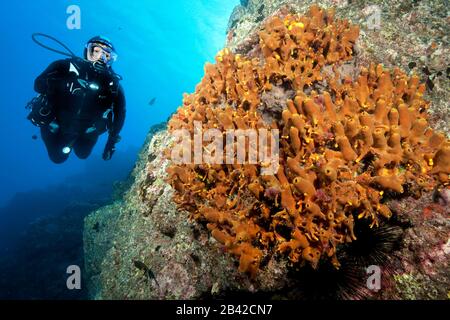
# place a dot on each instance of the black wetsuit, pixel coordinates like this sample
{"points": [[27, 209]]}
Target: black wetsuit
{"points": [[87, 101]]}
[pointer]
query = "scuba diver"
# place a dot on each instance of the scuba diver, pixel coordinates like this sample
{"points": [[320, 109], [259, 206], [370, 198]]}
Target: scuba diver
{"points": [[79, 99]]}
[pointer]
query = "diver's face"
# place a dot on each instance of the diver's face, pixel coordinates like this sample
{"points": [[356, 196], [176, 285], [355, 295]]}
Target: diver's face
{"points": [[99, 54]]}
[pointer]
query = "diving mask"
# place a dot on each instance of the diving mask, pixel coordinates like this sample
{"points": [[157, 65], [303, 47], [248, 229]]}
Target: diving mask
{"points": [[97, 52]]}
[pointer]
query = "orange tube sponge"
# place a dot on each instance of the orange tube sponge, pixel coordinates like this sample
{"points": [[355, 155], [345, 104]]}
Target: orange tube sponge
{"points": [[295, 139], [298, 122], [395, 142], [352, 127], [314, 209], [343, 143], [286, 116], [312, 255], [330, 172], [436, 140], [385, 211], [405, 120], [379, 139], [367, 136], [349, 107], [222, 237], [245, 231], [441, 160], [312, 110], [291, 107], [256, 188], [393, 117], [304, 186], [381, 112], [362, 88], [346, 149], [249, 258], [282, 176], [288, 201], [338, 129], [389, 182], [418, 130], [225, 120], [298, 101], [366, 120], [298, 241], [329, 107]]}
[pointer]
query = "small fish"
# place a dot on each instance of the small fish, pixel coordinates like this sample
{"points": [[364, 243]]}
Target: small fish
{"points": [[34, 137], [152, 102], [151, 275], [140, 265], [148, 272], [426, 71], [429, 83]]}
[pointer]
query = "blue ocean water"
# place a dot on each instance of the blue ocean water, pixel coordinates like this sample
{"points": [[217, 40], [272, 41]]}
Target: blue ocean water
{"points": [[162, 47]]}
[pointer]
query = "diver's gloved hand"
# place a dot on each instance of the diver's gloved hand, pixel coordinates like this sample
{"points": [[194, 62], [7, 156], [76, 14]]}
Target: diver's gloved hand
{"points": [[110, 147]]}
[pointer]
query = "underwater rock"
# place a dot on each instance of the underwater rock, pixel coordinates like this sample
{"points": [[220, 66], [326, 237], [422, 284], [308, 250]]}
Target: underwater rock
{"points": [[187, 262]]}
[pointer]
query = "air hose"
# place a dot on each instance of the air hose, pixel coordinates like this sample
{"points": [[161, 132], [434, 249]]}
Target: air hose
{"points": [[69, 52]]}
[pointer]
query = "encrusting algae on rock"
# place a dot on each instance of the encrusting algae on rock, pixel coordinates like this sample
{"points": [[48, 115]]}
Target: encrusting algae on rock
{"points": [[345, 145]]}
